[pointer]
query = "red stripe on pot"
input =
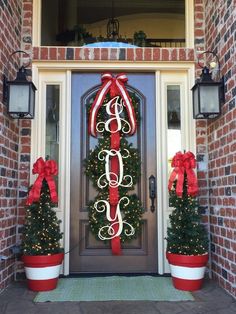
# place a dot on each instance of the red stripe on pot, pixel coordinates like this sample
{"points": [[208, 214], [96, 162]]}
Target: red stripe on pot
{"points": [[42, 260], [42, 285], [187, 260], [187, 285]]}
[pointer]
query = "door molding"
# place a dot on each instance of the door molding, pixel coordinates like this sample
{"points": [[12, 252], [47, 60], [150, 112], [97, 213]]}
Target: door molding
{"points": [[60, 73]]}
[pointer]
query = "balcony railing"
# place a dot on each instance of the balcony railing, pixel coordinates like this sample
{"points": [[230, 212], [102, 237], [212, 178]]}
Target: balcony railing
{"points": [[71, 38]]}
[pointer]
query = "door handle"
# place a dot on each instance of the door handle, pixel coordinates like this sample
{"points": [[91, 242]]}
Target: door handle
{"points": [[152, 191]]}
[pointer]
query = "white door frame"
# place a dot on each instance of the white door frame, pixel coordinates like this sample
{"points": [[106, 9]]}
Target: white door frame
{"points": [[60, 73]]}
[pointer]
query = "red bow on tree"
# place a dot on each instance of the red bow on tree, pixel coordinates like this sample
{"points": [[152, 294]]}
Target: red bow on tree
{"points": [[184, 163], [45, 170]]}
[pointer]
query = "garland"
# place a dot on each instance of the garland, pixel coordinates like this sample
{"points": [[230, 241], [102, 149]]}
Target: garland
{"points": [[113, 165], [94, 168], [132, 214]]}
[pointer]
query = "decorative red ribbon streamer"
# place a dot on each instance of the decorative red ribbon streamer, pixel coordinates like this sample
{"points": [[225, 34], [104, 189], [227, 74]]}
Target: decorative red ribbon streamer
{"points": [[113, 191], [184, 163], [189, 162], [45, 170], [116, 87]]}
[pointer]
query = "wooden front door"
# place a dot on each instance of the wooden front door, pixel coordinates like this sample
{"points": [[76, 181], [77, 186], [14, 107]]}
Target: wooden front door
{"points": [[88, 255]]}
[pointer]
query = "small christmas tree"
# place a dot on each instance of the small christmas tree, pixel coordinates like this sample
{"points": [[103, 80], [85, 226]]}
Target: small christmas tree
{"points": [[186, 234], [41, 234]]}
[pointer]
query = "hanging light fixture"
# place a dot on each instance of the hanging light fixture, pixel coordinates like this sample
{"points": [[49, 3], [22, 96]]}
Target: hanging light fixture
{"points": [[19, 94], [113, 26], [208, 95]]}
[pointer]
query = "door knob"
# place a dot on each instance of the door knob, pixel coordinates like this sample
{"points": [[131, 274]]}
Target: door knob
{"points": [[152, 191]]}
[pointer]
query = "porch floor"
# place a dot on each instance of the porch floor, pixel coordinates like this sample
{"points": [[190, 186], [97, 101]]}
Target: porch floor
{"points": [[17, 299]]}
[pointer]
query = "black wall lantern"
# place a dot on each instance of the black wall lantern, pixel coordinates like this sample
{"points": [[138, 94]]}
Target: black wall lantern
{"points": [[19, 95], [208, 95]]}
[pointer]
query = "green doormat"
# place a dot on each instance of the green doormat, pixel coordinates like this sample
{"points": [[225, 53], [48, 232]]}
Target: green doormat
{"points": [[114, 288]]}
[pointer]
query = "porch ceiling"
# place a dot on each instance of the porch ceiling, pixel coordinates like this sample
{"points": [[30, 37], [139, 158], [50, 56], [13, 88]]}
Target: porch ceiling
{"points": [[91, 11]]}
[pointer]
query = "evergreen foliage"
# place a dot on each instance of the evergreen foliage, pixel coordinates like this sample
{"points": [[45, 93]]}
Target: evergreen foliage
{"points": [[41, 234], [94, 168], [186, 234], [131, 214]]}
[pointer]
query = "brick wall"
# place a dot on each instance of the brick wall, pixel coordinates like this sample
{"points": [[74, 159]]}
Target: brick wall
{"points": [[221, 133], [216, 140], [114, 54], [10, 36], [25, 127]]}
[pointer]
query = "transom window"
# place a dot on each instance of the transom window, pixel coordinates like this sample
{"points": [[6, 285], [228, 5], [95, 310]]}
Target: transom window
{"points": [[144, 23]]}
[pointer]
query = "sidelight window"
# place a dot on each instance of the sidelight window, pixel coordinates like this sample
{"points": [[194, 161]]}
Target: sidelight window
{"points": [[174, 120], [52, 122]]}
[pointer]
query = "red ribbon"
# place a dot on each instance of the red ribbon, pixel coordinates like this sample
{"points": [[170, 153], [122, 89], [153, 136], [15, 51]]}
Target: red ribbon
{"points": [[116, 87], [45, 170], [189, 162], [184, 163], [113, 191]]}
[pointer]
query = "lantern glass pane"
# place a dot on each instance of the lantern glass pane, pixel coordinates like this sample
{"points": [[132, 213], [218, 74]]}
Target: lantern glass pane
{"points": [[18, 98], [209, 98], [195, 102], [32, 101]]}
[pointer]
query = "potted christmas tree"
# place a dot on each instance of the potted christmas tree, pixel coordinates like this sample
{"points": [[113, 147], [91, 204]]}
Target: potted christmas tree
{"points": [[42, 252], [187, 239]]}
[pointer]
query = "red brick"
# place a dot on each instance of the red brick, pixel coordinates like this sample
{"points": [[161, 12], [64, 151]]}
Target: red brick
{"points": [[36, 53], [156, 54], [27, 22], [199, 33], [114, 54], [173, 55], [28, 15], [198, 8], [52, 53], [61, 53], [25, 149], [138, 52], [130, 54], [182, 54], [164, 54], [97, 53], [27, 7], [44, 53], [230, 84], [199, 16], [190, 55], [104, 53], [147, 54], [198, 24], [26, 123], [77, 53]]}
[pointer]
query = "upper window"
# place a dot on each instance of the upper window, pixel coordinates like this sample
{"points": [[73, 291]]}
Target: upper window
{"points": [[145, 23]]}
